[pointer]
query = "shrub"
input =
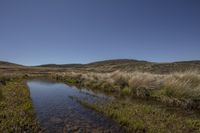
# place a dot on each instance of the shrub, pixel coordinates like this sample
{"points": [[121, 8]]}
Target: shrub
{"points": [[120, 80], [142, 92], [105, 86], [126, 91]]}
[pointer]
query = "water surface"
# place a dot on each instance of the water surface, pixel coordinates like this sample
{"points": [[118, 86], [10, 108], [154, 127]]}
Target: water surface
{"points": [[57, 111]]}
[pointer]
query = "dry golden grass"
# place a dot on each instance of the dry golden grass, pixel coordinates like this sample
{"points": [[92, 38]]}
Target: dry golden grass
{"points": [[177, 86], [182, 85]]}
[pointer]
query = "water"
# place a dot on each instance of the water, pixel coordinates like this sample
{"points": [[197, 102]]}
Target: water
{"points": [[58, 112]]}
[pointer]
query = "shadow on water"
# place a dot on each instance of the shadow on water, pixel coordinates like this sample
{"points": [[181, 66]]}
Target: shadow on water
{"points": [[58, 112]]}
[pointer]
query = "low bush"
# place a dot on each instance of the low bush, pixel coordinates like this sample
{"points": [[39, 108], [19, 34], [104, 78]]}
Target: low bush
{"points": [[126, 91]]}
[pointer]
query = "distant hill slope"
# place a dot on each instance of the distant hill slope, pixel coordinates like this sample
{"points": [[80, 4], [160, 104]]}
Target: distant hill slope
{"points": [[8, 64], [131, 65], [122, 65], [144, 66]]}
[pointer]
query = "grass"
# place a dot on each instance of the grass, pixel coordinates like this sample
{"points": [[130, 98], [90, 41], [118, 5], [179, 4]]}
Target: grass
{"points": [[179, 88], [185, 85], [142, 117], [175, 89], [16, 110], [1, 95]]}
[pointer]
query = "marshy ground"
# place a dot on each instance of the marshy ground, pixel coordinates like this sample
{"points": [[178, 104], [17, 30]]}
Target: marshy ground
{"points": [[138, 101]]}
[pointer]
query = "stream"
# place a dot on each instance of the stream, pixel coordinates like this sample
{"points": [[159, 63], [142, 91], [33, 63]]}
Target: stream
{"points": [[58, 112]]}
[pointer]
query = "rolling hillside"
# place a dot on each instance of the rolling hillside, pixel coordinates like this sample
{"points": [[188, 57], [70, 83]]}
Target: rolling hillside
{"points": [[8, 64], [132, 65], [122, 65]]}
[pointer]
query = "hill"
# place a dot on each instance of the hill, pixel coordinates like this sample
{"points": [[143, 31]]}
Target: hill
{"points": [[8, 64], [144, 66], [60, 65], [130, 65], [127, 65]]}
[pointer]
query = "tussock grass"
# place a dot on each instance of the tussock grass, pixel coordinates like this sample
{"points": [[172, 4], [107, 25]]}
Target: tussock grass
{"points": [[176, 89], [181, 87]]}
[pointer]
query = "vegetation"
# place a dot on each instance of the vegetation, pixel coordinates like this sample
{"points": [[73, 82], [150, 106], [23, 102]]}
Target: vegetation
{"points": [[128, 65], [1, 95], [177, 89], [140, 117], [164, 83], [16, 111]]}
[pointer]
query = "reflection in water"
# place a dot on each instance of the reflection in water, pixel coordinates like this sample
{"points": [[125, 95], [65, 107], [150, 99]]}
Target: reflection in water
{"points": [[57, 112]]}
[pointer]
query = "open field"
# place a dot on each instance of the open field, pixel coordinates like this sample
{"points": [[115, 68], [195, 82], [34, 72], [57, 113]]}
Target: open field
{"points": [[175, 85]]}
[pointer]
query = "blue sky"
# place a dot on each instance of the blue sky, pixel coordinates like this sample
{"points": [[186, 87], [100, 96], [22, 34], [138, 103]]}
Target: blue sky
{"points": [[80, 31]]}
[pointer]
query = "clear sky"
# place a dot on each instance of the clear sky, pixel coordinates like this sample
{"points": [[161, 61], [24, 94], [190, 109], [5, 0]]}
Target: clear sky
{"points": [[81, 31]]}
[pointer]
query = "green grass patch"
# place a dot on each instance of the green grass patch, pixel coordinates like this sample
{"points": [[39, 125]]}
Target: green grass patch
{"points": [[71, 81], [16, 110], [144, 117], [126, 91]]}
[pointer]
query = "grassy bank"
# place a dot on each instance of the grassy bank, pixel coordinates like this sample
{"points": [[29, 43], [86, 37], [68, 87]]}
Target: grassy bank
{"points": [[177, 89], [142, 117], [16, 111]]}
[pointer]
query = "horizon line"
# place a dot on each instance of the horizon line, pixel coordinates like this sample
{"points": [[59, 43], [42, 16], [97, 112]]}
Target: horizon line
{"points": [[131, 59]]}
